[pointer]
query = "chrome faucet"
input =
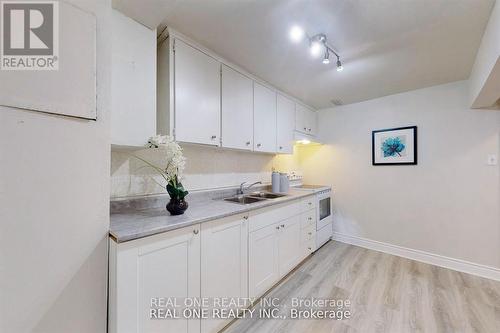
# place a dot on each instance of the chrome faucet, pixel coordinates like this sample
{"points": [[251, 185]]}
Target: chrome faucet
{"points": [[240, 191]]}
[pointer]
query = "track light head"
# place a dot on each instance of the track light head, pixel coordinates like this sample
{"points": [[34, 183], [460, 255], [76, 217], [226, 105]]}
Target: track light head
{"points": [[339, 66], [326, 59]]}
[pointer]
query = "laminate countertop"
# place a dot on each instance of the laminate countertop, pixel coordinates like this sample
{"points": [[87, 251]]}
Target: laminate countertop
{"points": [[133, 224]]}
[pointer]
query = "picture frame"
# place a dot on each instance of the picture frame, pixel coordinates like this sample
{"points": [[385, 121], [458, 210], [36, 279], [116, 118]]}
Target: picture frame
{"points": [[395, 146]]}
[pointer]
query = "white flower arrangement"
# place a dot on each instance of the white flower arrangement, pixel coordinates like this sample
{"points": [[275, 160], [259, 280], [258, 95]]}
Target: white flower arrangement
{"points": [[172, 164]]}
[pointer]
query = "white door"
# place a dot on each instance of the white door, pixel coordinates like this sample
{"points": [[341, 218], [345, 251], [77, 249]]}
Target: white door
{"points": [[237, 110], [224, 263], [262, 260], [264, 125], [165, 265], [289, 251], [197, 96], [285, 109]]}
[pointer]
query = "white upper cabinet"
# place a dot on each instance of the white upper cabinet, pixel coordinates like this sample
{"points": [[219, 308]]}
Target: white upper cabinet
{"points": [[197, 96], [305, 119], [312, 122], [237, 110], [285, 124], [133, 86], [264, 119]]}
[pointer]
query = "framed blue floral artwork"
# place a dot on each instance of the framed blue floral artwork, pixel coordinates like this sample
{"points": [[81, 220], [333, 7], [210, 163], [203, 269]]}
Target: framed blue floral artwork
{"points": [[395, 146]]}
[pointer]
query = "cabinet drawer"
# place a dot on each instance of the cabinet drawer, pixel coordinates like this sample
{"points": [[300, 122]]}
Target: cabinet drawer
{"points": [[309, 203], [308, 218], [307, 234], [269, 215]]}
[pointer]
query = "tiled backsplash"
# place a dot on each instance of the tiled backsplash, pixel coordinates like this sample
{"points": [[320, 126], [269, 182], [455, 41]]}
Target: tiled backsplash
{"points": [[206, 168]]}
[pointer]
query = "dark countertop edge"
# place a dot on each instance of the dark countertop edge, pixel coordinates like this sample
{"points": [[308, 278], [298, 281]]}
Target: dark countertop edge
{"points": [[244, 209]]}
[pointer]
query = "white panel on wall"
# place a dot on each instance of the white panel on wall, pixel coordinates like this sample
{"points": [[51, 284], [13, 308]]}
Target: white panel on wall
{"points": [[70, 90]]}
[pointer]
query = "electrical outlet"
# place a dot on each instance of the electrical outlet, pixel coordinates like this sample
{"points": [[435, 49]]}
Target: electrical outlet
{"points": [[492, 159]]}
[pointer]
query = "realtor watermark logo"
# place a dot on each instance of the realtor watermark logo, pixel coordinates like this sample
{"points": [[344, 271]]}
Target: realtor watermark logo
{"points": [[30, 35]]}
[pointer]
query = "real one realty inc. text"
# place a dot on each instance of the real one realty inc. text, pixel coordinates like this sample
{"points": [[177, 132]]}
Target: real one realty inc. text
{"points": [[246, 308]]}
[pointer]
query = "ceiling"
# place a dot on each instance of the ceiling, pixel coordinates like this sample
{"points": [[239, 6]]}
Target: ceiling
{"points": [[387, 46]]}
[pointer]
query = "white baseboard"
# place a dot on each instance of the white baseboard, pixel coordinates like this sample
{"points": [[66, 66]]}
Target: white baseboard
{"points": [[426, 257]]}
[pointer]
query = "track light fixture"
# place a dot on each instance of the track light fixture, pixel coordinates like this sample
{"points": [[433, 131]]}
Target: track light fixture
{"points": [[317, 43]]}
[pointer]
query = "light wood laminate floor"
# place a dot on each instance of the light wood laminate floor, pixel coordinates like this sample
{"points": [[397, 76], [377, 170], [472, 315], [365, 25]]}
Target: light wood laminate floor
{"points": [[387, 294]]}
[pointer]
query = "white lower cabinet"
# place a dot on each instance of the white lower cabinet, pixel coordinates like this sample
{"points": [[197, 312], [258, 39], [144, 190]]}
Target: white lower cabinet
{"points": [[238, 256], [288, 245], [224, 263], [275, 245], [263, 270], [164, 265]]}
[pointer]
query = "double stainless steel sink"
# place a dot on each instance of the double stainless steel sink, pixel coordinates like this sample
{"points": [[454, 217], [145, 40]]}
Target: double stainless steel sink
{"points": [[245, 199]]}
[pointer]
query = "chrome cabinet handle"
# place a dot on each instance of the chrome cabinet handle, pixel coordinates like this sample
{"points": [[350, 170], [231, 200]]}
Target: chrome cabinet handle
{"points": [[309, 218], [281, 147], [245, 217], [305, 128], [258, 145], [278, 227], [282, 225], [214, 137], [248, 143], [196, 231]]}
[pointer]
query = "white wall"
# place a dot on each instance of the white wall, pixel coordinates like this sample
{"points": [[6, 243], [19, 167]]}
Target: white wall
{"points": [[54, 210], [448, 204], [485, 75]]}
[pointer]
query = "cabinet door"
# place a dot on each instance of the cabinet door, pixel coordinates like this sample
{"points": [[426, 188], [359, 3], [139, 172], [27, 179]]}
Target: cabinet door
{"points": [[224, 263], [165, 265], [311, 122], [197, 96], [264, 125], [262, 260], [301, 118], [285, 124], [237, 110], [289, 251], [133, 84]]}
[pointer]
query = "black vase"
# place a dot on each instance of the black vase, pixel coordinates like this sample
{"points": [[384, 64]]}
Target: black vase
{"points": [[177, 206]]}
